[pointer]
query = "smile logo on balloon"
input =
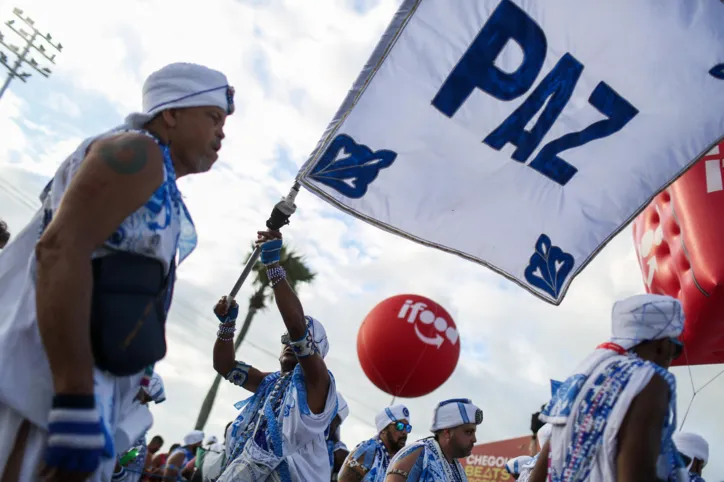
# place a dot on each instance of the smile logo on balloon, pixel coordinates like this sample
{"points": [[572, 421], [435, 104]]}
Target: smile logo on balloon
{"points": [[415, 313], [408, 345]]}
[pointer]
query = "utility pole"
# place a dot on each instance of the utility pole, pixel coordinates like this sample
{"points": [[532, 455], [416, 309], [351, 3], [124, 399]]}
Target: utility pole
{"points": [[22, 53]]}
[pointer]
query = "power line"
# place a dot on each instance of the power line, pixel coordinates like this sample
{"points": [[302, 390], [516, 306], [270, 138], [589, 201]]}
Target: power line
{"points": [[33, 40]]}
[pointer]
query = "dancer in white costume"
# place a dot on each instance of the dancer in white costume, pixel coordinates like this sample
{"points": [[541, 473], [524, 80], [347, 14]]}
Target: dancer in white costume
{"points": [[619, 406], [280, 432], [112, 202]]}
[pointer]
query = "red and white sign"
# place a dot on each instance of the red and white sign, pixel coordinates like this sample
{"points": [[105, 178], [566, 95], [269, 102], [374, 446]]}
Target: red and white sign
{"points": [[487, 462]]}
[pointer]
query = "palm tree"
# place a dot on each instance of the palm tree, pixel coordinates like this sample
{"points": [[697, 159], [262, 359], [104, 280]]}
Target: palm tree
{"points": [[297, 273]]}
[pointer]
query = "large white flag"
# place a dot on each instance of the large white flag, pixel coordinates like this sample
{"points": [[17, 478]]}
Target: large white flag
{"points": [[525, 134]]}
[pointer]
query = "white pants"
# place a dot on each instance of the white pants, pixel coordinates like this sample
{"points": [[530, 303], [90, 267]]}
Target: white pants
{"points": [[10, 422], [124, 418]]}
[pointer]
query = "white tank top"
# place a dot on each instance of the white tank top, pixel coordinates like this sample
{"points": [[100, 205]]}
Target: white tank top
{"points": [[159, 229]]}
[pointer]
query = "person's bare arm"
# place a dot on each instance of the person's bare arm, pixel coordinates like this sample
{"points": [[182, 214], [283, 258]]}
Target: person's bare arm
{"points": [[316, 376], [339, 457], [540, 471], [639, 438], [118, 176], [399, 471], [173, 465], [225, 354]]}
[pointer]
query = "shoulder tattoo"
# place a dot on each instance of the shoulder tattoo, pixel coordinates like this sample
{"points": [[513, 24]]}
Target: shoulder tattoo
{"points": [[127, 154]]}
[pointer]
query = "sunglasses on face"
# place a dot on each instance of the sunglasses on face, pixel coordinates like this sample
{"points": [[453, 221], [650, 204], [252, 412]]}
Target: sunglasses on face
{"points": [[401, 427], [679, 347]]}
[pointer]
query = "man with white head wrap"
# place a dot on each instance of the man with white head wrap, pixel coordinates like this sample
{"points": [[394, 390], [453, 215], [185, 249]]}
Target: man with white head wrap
{"points": [[619, 406], [435, 459], [78, 278], [368, 461], [694, 449], [279, 434], [178, 459], [542, 437]]}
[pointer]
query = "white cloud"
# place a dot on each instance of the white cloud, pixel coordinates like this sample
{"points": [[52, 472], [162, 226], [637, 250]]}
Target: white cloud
{"points": [[292, 62]]}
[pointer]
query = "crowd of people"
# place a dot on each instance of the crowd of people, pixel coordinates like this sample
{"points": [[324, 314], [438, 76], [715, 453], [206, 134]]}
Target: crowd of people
{"points": [[86, 287]]}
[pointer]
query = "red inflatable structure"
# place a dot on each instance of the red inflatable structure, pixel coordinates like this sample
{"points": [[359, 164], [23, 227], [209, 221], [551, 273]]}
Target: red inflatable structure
{"points": [[408, 346], [679, 240]]}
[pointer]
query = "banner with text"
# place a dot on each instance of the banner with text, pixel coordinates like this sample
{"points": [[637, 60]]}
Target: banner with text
{"points": [[487, 462], [523, 135]]}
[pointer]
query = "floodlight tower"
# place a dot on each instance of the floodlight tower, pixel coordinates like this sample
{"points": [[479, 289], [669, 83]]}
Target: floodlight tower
{"points": [[34, 40]]}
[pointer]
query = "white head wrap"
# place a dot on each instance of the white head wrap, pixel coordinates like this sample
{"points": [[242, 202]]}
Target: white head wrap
{"points": [[513, 466], [692, 445], [342, 407], [155, 388], [211, 440], [182, 85], [455, 412], [646, 317], [544, 434], [194, 437], [390, 415], [319, 335]]}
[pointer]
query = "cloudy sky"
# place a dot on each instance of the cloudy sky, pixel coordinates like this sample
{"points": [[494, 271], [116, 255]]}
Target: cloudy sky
{"points": [[292, 63]]}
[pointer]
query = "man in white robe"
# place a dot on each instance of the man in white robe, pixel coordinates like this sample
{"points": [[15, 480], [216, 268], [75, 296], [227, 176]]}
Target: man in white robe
{"points": [[115, 197], [280, 433], [614, 417], [436, 459]]}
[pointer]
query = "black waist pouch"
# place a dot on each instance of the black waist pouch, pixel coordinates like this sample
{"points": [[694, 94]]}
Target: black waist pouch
{"points": [[131, 298]]}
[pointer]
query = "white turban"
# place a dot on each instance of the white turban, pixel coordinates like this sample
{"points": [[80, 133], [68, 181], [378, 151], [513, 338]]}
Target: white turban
{"points": [[390, 415], [182, 85], [513, 466], [342, 407], [319, 335], [194, 437], [211, 440], [644, 318], [692, 445], [155, 388], [455, 412], [544, 434]]}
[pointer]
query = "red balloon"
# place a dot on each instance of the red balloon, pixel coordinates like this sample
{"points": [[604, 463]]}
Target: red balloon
{"points": [[408, 346], [678, 239]]}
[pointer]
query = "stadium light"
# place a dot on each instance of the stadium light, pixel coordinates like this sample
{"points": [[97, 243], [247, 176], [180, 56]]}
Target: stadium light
{"points": [[33, 42]]}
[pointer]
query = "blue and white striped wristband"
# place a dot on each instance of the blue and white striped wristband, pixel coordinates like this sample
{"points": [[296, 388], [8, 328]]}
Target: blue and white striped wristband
{"points": [[76, 439]]}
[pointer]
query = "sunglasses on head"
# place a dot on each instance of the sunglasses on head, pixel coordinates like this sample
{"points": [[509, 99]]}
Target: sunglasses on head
{"points": [[402, 427]]}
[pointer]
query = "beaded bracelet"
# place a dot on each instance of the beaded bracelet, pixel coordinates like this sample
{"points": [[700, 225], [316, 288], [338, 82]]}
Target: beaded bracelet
{"points": [[225, 329], [276, 274], [226, 332]]}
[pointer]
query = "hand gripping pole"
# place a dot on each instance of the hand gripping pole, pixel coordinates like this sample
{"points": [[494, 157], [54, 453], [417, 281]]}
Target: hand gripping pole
{"points": [[279, 217]]}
